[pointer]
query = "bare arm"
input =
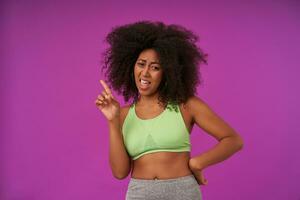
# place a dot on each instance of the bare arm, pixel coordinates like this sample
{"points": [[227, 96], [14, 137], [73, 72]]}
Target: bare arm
{"points": [[229, 141], [119, 160]]}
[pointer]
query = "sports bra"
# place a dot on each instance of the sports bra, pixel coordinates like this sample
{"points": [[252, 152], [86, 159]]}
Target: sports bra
{"points": [[165, 132]]}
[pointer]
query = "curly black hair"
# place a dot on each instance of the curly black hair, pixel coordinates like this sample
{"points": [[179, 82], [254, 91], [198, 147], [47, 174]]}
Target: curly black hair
{"points": [[178, 54]]}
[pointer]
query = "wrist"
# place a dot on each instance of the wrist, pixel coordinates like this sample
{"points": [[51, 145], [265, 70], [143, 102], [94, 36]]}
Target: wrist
{"points": [[114, 122]]}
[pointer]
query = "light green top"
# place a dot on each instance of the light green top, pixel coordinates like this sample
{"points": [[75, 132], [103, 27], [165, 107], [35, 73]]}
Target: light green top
{"points": [[165, 132]]}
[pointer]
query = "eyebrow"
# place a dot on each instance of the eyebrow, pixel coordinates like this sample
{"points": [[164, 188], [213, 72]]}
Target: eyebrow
{"points": [[151, 62]]}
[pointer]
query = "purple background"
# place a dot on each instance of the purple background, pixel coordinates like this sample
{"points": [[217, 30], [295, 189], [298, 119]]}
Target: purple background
{"points": [[54, 141]]}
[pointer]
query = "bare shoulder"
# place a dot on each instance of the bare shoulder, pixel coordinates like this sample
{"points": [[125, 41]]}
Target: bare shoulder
{"points": [[123, 113], [194, 103], [207, 119], [199, 109], [125, 108], [192, 106], [187, 117]]}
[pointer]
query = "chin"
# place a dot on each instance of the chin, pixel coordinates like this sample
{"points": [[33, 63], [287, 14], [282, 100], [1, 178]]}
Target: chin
{"points": [[145, 92]]}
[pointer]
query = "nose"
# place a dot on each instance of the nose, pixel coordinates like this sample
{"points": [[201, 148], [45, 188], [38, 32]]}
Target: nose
{"points": [[145, 71]]}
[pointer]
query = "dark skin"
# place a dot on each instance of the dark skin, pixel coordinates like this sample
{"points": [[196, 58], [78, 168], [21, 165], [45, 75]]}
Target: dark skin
{"points": [[164, 165]]}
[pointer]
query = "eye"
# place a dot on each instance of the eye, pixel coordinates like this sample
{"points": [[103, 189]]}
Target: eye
{"points": [[156, 68], [141, 64]]}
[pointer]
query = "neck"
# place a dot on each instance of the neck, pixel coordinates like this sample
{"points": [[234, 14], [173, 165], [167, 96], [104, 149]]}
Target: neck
{"points": [[148, 100]]}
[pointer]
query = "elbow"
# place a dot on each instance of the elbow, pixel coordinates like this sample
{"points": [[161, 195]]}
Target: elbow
{"points": [[239, 142], [120, 170], [236, 141], [120, 176]]}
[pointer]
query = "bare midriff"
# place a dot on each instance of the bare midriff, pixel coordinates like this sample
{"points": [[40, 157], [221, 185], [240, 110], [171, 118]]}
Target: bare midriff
{"points": [[161, 165]]}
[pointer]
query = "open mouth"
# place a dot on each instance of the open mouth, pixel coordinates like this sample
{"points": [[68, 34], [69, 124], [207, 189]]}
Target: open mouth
{"points": [[145, 84]]}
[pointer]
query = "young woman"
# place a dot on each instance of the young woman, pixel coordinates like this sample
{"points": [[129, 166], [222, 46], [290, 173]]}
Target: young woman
{"points": [[156, 65]]}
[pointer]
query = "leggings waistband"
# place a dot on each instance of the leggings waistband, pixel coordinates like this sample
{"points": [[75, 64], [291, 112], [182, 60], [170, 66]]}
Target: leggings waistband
{"points": [[182, 178]]}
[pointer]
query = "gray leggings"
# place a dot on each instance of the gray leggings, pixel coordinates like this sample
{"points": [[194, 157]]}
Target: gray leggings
{"points": [[181, 188]]}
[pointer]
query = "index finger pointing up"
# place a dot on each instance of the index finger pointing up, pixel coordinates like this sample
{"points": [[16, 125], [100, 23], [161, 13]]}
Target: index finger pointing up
{"points": [[106, 88]]}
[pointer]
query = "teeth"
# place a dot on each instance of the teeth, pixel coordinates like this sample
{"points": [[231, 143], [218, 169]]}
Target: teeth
{"points": [[144, 82]]}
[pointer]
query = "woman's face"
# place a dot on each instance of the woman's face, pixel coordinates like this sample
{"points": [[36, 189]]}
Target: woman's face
{"points": [[147, 72]]}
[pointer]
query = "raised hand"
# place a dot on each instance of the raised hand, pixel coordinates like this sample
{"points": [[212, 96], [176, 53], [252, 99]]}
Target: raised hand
{"points": [[107, 104]]}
